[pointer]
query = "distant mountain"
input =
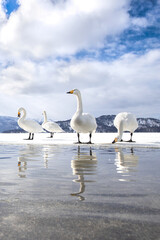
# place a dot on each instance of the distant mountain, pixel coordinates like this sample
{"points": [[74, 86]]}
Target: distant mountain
{"points": [[104, 124], [148, 125], [9, 124]]}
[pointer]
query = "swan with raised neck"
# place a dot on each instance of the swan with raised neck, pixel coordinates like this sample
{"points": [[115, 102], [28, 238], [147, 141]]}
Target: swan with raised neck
{"points": [[82, 122], [50, 126], [45, 117]]}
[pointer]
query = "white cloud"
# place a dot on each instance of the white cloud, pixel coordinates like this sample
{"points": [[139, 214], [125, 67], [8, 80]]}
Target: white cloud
{"points": [[131, 83], [40, 29]]}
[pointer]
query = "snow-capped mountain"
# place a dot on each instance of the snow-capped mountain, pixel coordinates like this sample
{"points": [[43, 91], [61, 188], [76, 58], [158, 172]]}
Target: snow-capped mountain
{"points": [[104, 124], [9, 124], [148, 125]]}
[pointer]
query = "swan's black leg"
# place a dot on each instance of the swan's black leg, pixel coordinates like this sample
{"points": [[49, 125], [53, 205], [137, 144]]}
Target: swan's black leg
{"points": [[90, 136], [29, 138], [78, 135], [131, 138], [51, 135], [32, 136]]}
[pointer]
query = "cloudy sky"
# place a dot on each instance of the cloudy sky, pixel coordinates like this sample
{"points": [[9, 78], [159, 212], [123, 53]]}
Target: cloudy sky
{"points": [[110, 50]]}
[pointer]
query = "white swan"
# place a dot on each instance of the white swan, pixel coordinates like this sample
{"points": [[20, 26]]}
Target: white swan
{"points": [[125, 122], [51, 127], [28, 125], [82, 122]]}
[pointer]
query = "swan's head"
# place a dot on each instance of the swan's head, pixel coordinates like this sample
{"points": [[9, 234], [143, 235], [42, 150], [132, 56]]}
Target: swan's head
{"points": [[20, 110], [44, 112], [74, 91], [115, 140]]}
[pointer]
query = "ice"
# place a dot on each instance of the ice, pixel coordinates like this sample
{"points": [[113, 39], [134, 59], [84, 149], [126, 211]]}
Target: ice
{"points": [[141, 139]]}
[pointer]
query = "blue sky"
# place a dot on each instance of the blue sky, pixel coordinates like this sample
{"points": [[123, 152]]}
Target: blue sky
{"points": [[109, 50], [10, 6]]}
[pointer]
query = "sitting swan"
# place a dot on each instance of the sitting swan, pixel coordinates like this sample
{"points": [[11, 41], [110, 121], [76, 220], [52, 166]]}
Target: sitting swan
{"points": [[125, 122], [51, 127], [28, 125], [82, 122]]}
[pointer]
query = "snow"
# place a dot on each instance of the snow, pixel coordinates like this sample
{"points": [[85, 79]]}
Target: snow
{"points": [[105, 139]]}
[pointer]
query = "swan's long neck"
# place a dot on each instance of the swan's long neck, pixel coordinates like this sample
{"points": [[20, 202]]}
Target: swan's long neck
{"points": [[45, 117], [120, 130], [79, 104], [24, 114]]}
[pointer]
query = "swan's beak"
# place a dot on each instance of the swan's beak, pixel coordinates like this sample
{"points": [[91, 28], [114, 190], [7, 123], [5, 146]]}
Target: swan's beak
{"points": [[115, 140], [70, 92], [19, 114], [19, 164]]}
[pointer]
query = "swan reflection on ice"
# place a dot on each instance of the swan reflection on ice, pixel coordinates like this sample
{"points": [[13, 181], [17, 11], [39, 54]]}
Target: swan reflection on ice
{"points": [[83, 164], [47, 154], [28, 153], [125, 163], [22, 167]]}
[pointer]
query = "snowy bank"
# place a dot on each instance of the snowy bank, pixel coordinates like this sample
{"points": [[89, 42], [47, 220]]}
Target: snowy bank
{"points": [[141, 139]]}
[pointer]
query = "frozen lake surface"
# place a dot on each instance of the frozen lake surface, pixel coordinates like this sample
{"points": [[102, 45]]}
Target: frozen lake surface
{"points": [[54, 189]]}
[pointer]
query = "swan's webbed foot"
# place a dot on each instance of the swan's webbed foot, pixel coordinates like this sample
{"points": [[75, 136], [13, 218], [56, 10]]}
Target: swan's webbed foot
{"points": [[79, 142], [130, 140], [83, 142]]}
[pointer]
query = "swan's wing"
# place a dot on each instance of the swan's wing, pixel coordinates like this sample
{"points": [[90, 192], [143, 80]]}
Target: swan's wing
{"points": [[52, 127], [129, 121], [30, 126]]}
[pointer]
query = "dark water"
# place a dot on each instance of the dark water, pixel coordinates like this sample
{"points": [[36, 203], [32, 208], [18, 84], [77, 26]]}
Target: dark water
{"points": [[72, 192]]}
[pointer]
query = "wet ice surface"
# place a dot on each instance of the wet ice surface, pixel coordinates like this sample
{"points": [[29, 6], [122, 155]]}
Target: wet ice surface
{"points": [[79, 192]]}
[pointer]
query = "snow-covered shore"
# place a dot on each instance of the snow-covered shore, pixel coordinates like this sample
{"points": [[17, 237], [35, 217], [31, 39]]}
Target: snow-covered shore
{"points": [[141, 139]]}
